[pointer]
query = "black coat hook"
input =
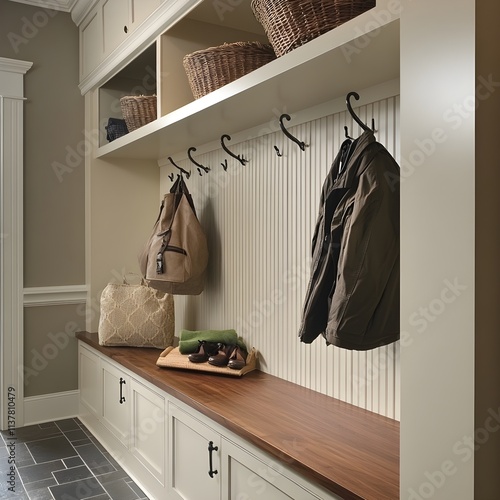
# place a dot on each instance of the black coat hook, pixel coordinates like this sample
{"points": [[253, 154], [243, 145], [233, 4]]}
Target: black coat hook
{"points": [[224, 165], [230, 153], [351, 111], [302, 145], [278, 153], [171, 177], [198, 165], [185, 172]]}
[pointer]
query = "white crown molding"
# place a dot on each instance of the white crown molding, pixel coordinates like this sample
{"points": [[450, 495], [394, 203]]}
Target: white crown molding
{"points": [[55, 295], [61, 5], [80, 9], [14, 66]]}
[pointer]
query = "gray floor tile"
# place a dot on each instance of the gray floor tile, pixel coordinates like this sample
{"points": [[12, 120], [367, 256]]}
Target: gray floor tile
{"points": [[54, 448], [43, 483], [137, 490], [73, 462], [68, 424], [75, 435], [77, 490], [38, 472], [94, 459], [120, 490], [73, 474], [34, 432], [41, 494], [113, 476], [67, 477]]}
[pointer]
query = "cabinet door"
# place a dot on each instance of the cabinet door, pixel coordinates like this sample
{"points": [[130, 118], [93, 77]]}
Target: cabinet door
{"points": [[194, 450], [90, 381], [116, 21], [148, 441], [141, 9], [91, 42], [116, 401], [249, 476]]}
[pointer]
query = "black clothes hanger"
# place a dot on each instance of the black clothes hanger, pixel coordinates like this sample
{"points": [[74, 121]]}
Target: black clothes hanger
{"points": [[243, 161], [199, 166]]}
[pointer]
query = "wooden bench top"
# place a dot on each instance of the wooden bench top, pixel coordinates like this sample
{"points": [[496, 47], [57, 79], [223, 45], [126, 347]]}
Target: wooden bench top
{"points": [[353, 453]]}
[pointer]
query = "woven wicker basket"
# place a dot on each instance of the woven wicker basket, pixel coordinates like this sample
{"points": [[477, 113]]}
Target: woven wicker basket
{"points": [[291, 23], [138, 110], [212, 68]]}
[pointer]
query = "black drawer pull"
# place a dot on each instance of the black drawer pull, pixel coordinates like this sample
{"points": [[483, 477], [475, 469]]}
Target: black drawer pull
{"points": [[122, 397], [211, 448]]}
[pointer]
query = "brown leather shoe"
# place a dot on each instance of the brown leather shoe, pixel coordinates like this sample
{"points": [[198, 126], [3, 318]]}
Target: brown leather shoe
{"points": [[222, 357], [238, 358], [205, 349]]}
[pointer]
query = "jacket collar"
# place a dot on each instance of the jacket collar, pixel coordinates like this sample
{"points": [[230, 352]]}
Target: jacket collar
{"points": [[349, 172]]}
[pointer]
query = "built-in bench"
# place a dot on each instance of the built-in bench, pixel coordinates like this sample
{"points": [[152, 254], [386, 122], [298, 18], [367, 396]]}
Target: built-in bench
{"points": [[349, 451]]}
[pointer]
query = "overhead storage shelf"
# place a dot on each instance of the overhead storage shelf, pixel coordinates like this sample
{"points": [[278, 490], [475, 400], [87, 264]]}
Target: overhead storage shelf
{"points": [[359, 54]]}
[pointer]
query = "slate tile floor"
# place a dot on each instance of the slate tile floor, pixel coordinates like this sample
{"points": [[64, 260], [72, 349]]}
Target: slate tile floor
{"points": [[60, 461]]}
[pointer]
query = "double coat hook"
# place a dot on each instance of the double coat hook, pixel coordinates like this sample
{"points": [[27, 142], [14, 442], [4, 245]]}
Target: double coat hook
{"points": [[302, 145], [243, 161], [185, 172], [198, 165], [354, 115]]}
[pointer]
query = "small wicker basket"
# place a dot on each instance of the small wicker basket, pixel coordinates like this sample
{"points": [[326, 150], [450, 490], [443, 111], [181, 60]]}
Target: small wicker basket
{"points": [[138, 110], [212, 68], [291, 23]]}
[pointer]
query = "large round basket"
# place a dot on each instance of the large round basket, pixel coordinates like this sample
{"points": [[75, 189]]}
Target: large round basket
{"points": [[138, 110], [212, 68], [292, 23]]}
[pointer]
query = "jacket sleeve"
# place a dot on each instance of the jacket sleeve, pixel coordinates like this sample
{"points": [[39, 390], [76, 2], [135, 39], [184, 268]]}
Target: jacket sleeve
{"points": [[369, 250]]}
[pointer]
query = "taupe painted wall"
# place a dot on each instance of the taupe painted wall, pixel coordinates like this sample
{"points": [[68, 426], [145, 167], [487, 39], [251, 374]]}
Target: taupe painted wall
{"points": [[54, 177]]}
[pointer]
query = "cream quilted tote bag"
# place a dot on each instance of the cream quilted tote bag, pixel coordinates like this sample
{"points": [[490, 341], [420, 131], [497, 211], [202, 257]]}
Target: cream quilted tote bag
{"points": [[136, 316]]}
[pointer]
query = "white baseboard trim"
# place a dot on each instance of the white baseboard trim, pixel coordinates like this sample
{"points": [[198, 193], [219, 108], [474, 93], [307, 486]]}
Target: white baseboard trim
{"points": [[55, 295], [49, 407]]}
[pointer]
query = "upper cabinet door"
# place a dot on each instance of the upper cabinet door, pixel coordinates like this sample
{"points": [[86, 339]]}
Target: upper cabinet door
{"points": [[91, 42], [116, 21], [141, 10]]}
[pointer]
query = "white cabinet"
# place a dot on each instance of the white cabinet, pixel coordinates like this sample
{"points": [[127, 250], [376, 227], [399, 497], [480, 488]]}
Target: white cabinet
{"points": [[172, 450], [90, 381], [107, 25], [149, 441], [127, 416], [91, 42], [116, 401], [141, 9], [251, 475], [209, 462], [116, 23], [194, 453]]}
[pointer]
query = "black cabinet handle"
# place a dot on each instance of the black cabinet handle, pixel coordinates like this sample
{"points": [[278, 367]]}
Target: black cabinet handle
{"points": [[211, 448], [122, 397], [125, 29]]}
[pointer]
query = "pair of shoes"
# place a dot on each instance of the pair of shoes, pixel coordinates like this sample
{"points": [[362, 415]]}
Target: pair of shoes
{"points": [[230, 355], [205, 350]]}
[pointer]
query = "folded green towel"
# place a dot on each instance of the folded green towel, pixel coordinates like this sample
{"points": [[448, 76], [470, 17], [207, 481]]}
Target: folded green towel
{"points": [[188, 339]]}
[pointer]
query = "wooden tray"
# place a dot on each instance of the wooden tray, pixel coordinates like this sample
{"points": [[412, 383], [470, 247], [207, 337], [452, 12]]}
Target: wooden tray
{"points": [[172, 358]]}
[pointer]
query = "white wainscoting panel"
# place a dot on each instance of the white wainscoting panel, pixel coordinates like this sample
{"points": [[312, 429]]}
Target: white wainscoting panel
{"points": [[259, 219]]}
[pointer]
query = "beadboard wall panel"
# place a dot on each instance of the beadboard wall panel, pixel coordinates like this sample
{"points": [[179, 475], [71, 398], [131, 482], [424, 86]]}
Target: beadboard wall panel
{"points": [[259, 220]]}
